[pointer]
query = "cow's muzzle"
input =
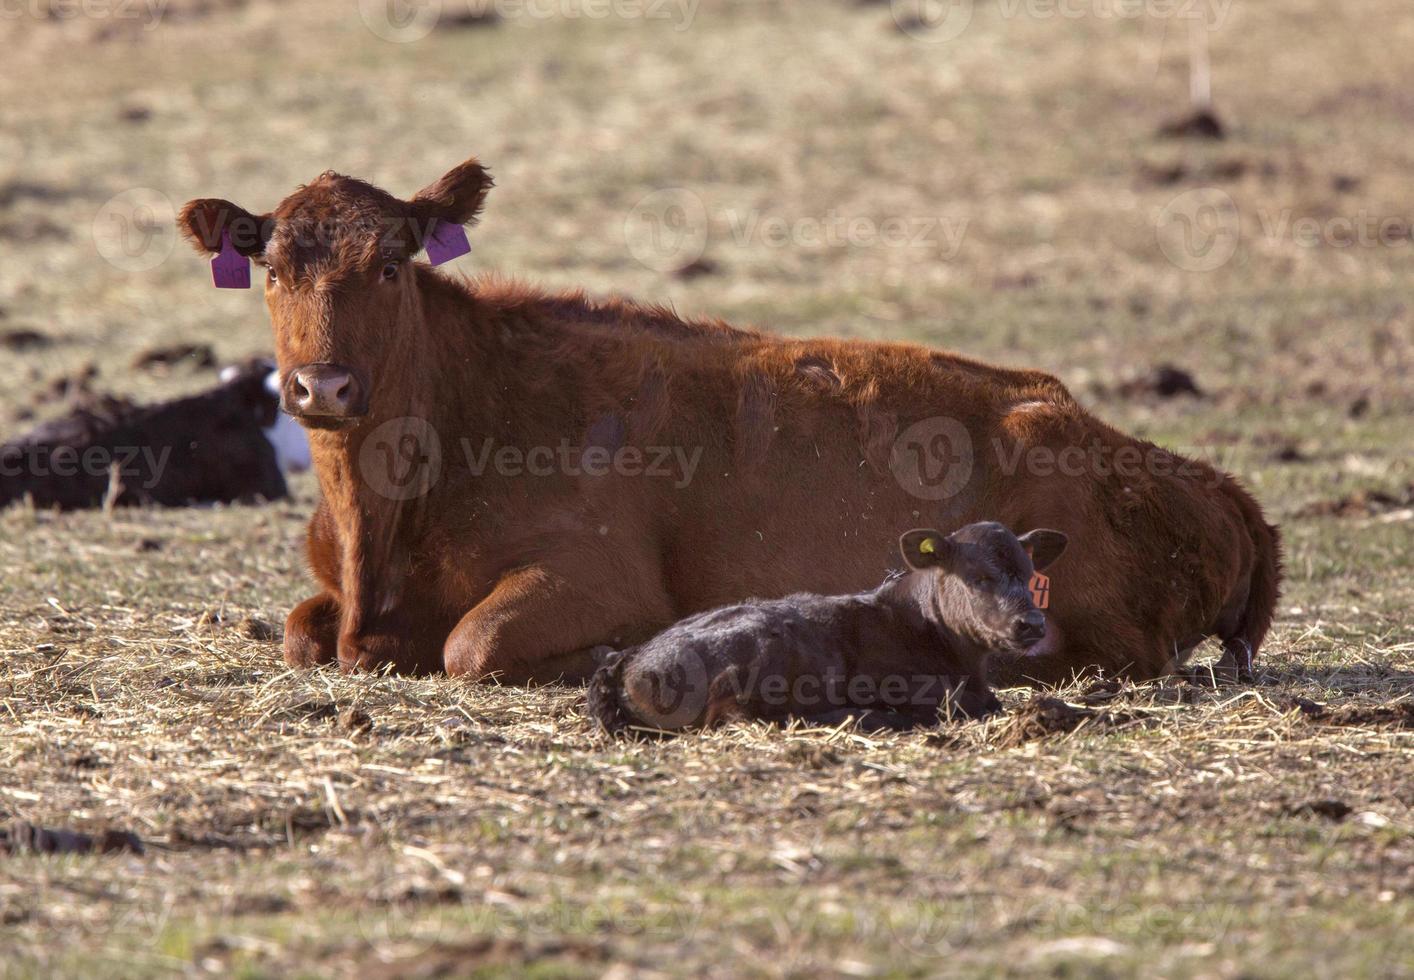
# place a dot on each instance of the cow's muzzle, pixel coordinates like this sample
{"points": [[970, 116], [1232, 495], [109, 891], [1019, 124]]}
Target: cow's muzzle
{"points": [[323, 394]]}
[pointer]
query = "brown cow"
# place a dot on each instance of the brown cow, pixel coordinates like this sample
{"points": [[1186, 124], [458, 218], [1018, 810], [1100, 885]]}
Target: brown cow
{"points": [[513, 479]]}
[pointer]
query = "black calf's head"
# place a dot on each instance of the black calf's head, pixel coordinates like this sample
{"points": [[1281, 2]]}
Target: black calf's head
{"points": [[983, 574]]}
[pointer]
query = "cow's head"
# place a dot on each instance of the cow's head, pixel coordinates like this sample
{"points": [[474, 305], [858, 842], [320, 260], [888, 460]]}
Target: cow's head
{"points": [[983, 574], [339, 279]]}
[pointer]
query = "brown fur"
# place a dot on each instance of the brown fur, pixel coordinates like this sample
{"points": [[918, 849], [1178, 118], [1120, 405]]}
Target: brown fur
{"points": [[520, 576]]}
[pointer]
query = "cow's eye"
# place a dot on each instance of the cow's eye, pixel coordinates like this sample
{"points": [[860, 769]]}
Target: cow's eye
{"points": [[270, 275], [390, 269]]}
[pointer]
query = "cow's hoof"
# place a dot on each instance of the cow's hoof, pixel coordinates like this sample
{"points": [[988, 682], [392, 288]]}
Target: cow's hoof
{"points": [[312, 633]]}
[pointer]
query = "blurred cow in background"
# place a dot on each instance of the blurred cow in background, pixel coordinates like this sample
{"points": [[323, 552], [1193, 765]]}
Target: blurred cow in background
{"points": [[228, 444]]}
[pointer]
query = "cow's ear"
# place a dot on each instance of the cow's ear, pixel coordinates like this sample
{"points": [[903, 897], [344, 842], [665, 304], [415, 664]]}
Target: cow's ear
{"points": [[206, 221], [925, 548], [457, 196], [1044, 546]]}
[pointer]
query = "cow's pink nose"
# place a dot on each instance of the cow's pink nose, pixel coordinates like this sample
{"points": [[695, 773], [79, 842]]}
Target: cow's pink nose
{"points": [[324, 391]]}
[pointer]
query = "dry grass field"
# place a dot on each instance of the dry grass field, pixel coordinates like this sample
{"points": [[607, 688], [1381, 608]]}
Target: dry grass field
{"points": [[809, 167]]}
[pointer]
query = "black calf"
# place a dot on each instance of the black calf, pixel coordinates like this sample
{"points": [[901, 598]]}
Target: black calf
{"points": [[898, 656]]}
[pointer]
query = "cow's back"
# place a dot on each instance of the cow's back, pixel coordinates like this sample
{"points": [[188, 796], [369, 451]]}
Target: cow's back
{"points": [[811, 462]]}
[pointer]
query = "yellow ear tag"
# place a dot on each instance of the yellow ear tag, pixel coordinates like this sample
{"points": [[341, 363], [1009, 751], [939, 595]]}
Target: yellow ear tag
{"points": [[928, 547]]}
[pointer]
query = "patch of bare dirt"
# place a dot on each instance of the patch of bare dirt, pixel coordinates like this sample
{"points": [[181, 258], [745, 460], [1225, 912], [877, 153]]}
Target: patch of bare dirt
{"points": [[1397, 715], [1202, 124], [1361, 503], [1162, 381], [23, 837]]}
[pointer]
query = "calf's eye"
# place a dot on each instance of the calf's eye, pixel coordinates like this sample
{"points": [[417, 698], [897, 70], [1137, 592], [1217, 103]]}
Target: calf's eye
{"points": [[390, 270], [270, 275]]}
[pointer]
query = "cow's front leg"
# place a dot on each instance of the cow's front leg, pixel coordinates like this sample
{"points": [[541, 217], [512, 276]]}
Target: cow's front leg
{"points": [[312, 632], [541, 625], [408, 640]]}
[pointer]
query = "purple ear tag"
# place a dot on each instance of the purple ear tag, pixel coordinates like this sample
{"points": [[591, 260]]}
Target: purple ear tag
{"points": [[446, 242], [229, 268]]}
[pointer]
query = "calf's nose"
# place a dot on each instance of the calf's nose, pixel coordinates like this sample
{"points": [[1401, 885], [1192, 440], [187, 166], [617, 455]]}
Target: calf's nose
{"points": [[1031, 626], [323, 391]]}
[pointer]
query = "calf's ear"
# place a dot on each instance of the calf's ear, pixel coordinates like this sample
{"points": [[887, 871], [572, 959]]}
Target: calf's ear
{"points": [[207, 220], [1044, 545], [457, 196], [925, 548]]}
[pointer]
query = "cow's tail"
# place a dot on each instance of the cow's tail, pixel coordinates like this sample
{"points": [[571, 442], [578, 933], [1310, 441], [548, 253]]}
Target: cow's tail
{"points": [[1242, 640], [605, 697]]}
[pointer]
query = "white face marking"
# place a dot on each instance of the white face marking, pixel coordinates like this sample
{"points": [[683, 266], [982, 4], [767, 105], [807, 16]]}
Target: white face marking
{"points": [[290, 444]]}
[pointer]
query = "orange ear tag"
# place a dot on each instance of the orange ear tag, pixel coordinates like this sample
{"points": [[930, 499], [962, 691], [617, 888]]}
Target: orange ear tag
{"points": [[1040, 590], [1040, 586]]}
